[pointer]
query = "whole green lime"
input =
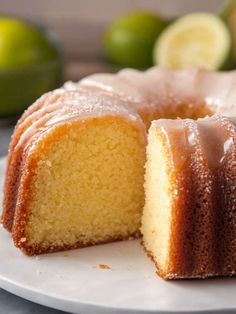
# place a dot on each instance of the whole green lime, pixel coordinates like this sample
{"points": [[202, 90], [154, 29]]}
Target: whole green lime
{"points": [[22, 44], [130, 39], [30, 65]]}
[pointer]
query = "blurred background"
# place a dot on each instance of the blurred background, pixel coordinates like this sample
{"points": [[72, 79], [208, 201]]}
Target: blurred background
{"points": [[80, 24]]}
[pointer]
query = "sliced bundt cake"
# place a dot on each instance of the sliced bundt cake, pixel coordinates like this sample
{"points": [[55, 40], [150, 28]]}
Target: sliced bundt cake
{"points": [[75, 169]]}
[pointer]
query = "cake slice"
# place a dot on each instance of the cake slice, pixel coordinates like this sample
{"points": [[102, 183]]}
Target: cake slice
{"points": [[79, 178], [188, 224]]}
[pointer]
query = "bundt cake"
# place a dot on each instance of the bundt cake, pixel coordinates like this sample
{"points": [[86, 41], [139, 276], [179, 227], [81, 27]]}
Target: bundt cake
{"points": [[76, 169], [189, 218]]}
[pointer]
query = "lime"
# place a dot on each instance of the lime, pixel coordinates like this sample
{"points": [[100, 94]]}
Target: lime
{"points": [[30, 65], [228, 13], [130, 39], [20, 87], [195, 40], [22, 44]]}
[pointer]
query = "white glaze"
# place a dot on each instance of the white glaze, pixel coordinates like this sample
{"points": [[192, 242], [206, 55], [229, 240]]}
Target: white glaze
{"points": [[162, 86], [132, 93]]}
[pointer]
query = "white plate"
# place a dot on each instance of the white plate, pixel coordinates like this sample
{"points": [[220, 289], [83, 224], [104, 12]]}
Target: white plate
{"points": [[74, 282]]}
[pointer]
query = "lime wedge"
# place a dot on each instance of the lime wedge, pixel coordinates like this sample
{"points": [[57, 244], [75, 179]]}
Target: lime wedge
{"points": [[195, 40], [228, 13]]}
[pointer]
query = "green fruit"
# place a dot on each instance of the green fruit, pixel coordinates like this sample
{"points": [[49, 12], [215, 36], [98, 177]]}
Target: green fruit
{"points": [[30, 65], [228, 14], [129, 40], [195, 40], [20, 87], [23, 44]]}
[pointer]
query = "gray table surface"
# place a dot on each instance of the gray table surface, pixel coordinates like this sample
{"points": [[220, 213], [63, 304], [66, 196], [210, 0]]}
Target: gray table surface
{"points": [[9, 303]]}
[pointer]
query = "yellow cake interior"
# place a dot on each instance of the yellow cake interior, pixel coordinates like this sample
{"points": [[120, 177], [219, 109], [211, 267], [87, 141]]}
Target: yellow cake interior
{"points": [[88, 184], [156, 220]]}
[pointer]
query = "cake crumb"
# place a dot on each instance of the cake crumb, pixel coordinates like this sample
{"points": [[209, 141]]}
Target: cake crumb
{"points": [[22, 240], [48, 163], [65, 254], [104, 266], [175, 192]]}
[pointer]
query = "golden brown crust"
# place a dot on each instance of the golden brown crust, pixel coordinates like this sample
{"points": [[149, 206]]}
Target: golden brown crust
{"points": [[36, 250], [13, 172], [185, 275]]}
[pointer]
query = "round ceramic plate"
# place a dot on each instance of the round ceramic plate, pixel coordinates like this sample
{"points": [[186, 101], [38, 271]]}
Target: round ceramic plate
{"points": [[111, 278]]}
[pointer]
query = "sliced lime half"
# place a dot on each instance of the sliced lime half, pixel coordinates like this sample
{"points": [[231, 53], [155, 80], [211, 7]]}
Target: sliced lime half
{"points": [[195, 40]]}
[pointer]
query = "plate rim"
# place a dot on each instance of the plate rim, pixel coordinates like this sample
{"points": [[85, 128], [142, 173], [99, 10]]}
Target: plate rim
{"points": [[9, 285]]}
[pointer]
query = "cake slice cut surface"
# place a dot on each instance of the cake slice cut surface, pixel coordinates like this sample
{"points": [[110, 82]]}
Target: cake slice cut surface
{"points": [[81, 184], [188, 223]]}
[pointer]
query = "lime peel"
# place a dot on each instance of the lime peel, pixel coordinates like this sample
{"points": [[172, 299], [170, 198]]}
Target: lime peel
{"points": [[130, 39]]}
